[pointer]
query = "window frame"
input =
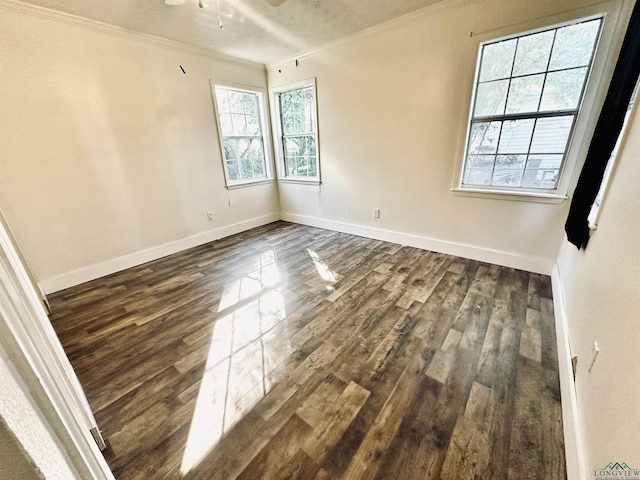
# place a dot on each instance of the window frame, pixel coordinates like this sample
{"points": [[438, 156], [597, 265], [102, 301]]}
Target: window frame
{"points": [[578, 131], [279, 136], [265, 135]]}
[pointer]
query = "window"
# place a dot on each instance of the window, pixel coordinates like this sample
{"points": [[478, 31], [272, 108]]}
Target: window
{"points": [[527, 96], [240, 115], [296, 120]]}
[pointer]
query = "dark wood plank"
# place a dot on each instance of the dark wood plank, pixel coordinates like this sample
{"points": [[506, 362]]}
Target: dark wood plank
{"points": [[292, 352]]}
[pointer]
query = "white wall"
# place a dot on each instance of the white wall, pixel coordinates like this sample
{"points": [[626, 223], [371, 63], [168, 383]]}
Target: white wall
{"points": [[393, 107], [36, 436], [14, 462], [109, 154], [602, 299]]}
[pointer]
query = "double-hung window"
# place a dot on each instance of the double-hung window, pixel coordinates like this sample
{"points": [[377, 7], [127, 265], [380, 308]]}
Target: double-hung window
{"points": [[528, 92], [241, 125], [297, 129]]}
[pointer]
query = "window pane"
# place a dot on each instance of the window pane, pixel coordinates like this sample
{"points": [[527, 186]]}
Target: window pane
{"points": [[244, 147], [542, 171], [253, 125], [516, 136], [508, 170], [574, 45], [232, 170], [532, 55], [524, 94], [300, 156], [230, 147], [250, 103], [484, 137], [297, 111], [239, 112], [226, 127], [490, 98], [252, 148], [290, 165], [302, 166], [239, 124], [251, 163], [291, 124], [235, 102], [562, 90], [245, 169], [497, 59], [312, 167], [551, 134], [479, 170], [222, 97], [481, 161]]}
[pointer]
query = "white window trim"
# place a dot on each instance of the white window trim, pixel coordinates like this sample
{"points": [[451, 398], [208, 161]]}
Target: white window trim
{"points": [[277, 126], [594, 93], [266, 138], [524, 196]]}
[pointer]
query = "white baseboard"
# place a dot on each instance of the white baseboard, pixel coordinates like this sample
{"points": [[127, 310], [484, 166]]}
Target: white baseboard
{"points": [[91, 272], [507, 259], [576, 469]]}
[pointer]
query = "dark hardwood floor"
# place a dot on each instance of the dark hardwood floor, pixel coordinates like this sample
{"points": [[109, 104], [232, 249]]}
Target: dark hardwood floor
{"points": [[295, 352]]}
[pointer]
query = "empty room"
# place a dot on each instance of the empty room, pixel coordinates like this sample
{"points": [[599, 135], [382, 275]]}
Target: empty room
{"points": [[278, 239]]}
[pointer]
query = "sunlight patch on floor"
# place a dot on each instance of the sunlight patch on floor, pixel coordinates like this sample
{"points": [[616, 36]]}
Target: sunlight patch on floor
{"points": [[244, 351], [266, 275], [323, 270]]}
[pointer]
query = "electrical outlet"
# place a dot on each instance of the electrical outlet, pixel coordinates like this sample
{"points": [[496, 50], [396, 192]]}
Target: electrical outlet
{"points": [[210, 216], [376, 213]]}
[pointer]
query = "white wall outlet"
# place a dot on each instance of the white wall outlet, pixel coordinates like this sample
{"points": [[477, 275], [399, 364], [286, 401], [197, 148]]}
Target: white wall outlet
{"points": [[210, 216], [376, 213], [594, 351]]}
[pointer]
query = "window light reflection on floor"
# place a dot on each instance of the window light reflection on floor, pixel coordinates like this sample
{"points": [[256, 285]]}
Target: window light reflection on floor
{"points": [[265, 275], [323, 270], [244, 350], [246, 346]]}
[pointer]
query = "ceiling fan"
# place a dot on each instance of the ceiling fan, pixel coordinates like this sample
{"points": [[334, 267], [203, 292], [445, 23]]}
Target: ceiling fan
{"points": [[273, 3]]}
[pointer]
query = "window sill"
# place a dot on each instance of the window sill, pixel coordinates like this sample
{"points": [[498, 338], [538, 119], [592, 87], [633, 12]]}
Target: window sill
{"points": [[552, 198], [300, 181], [235, 186]]}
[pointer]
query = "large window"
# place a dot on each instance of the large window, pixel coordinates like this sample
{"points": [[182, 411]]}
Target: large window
{"points": [[241, 120], [527, 96], [296, 119]]}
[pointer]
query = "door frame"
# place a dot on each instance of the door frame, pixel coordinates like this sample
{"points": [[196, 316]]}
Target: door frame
{"points": [[31, 332]]}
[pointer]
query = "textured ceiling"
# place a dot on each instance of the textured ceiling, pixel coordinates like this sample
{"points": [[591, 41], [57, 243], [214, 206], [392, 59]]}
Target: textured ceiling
{"points": [[252, 29]]}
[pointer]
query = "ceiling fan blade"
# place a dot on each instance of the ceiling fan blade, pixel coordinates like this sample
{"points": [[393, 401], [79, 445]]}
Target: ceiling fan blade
{"points": [[275, 3]]}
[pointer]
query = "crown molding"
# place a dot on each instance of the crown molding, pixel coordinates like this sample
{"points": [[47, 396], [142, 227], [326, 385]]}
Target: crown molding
{"points": [[22, 8], [438, 8]]}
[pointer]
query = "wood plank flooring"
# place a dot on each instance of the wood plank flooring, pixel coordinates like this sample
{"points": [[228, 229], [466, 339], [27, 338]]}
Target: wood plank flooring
{"points": [[291, 352]]}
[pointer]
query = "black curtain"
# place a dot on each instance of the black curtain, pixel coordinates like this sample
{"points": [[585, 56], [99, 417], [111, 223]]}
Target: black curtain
{"points": [[606, 133]]}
